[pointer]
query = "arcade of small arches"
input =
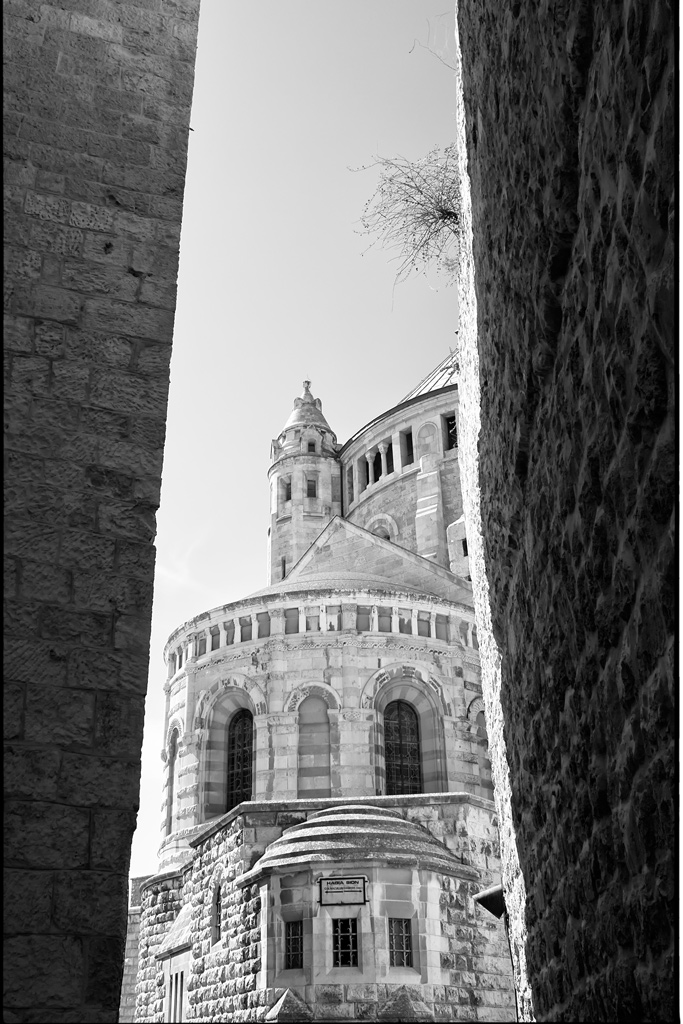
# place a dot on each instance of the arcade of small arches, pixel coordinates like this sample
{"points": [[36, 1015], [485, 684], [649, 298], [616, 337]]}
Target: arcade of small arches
{"points": [[397, 452], [393, 617], [405, 723]]}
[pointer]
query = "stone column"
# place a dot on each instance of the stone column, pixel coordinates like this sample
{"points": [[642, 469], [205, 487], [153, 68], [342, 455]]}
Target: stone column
{"points": [[302, 619], [413, 621], [383, 456], [370, 459], [374, 623], [432, 624], [394, 619]]}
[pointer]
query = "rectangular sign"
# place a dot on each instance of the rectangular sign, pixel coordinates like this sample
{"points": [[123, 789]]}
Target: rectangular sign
{"points": [[334, 891]]}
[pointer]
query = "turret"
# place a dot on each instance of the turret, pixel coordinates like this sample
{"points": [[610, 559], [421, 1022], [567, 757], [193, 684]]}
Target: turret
{"points": [[305, 484]]}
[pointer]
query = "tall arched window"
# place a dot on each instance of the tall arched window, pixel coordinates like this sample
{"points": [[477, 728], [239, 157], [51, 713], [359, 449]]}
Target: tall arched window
{"points": [[240, 753], [172, 785], [402, 756], [313, 769]]}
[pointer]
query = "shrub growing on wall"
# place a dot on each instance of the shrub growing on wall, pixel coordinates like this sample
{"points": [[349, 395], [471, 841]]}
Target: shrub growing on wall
{"points": [[416, 210]]}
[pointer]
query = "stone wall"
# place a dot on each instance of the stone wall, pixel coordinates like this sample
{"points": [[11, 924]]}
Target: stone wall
{"points": [[130, 963], [97, 106], [570, 111], [161, 899], [224, 980]]}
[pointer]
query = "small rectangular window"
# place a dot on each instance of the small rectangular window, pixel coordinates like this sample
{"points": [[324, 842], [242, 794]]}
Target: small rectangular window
{"points": [[287, 489], [291, 620], [283, 567], [464, 548], [215, 638], [294, 945], [176, 994], [333, 617], [390, 457], [311, 446], [400, 942], [406, 438], [312, 621], [377, 466], [263, 620], [201, 646], [423, 624], [311, 487], [245, 627], [180, 657], [450, 432], [229, 632], [384, 620], [345, 942], [362, 617], [442, 627], [405, 620]]}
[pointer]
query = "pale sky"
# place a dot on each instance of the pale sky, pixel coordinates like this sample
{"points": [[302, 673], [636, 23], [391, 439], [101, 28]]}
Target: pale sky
{"points": [[273, 284]]}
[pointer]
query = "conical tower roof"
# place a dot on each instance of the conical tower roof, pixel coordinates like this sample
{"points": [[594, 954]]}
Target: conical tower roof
{"points": [[445, 374], [307, 411]]}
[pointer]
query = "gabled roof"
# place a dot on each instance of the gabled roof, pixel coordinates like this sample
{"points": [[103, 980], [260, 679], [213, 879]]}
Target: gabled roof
{"points": [[179, 936], [346, 556]]}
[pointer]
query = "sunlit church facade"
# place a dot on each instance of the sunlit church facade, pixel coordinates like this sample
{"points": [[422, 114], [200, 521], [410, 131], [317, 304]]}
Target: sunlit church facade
{"points": [[327, 814]]}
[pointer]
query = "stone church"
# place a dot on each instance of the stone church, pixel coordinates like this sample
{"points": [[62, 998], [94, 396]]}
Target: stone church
{"points": [[328, 812]]}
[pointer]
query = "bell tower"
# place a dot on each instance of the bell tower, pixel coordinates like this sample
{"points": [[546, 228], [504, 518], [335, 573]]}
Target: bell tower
{"points": [[305, 484]]}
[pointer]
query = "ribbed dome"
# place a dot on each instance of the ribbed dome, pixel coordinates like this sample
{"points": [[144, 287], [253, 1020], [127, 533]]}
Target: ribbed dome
{"points": [[307, 411], [357, 832], [444, 375]]}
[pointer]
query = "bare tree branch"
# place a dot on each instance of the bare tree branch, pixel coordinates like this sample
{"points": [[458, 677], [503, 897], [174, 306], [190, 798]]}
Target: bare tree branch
{"points": [[416, 210]]}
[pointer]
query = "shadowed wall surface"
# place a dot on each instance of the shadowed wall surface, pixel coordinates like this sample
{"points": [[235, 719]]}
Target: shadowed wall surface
{"points": [[570, 137], [97, 107]]}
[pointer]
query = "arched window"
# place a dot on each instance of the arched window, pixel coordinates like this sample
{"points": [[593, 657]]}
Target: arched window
{"points": [[313, 774], [402, 756], [171, 795], [240, 751]]}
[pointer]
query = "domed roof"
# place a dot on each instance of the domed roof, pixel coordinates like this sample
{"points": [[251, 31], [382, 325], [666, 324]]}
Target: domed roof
{"points": [[338, 580], [307, 411], [357, 832], [445, 374]]}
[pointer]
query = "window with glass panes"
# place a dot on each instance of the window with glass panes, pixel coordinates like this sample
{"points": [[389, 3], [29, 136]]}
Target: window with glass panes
{"points": [[294, 945], [402, 759], [345, 942], [240, 753], [400, 942]]}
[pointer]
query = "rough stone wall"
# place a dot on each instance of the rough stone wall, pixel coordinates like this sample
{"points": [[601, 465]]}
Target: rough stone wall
{"points": [[161, 900], [223, 982], [570, 115], [130, 963], [130, 968], [97, 104]]}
